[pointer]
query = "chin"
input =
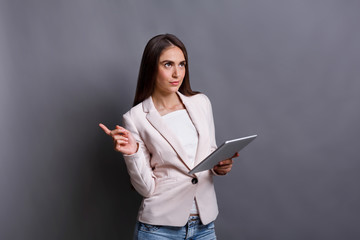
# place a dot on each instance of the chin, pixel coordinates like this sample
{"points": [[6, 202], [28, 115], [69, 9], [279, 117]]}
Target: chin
{"points": [[174, 88]]}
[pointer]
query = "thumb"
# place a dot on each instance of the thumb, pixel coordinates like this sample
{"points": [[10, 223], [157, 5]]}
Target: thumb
{"points": [[125, 132]]}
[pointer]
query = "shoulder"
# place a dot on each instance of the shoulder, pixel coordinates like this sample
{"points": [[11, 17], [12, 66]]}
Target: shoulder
{"points": [[135, 112], [200, 98]]}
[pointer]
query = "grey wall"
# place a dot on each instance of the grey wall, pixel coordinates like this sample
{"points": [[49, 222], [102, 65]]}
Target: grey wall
{"points": [[285, 70]]}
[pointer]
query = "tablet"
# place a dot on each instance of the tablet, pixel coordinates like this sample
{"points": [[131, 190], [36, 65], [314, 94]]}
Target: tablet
{"points": [[225, 151]]}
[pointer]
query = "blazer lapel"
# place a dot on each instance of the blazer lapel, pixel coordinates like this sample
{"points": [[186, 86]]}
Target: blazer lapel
{"points": [[200, 124], [155, 120]]}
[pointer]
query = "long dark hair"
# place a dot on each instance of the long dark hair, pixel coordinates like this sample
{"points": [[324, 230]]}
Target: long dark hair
{"points": [[149, 66]]}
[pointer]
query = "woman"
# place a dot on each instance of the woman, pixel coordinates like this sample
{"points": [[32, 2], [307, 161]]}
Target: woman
{"points": [[167, 132]]}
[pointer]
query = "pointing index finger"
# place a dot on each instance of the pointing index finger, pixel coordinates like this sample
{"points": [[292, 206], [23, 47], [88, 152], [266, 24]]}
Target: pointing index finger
{"points": [[106, 130]]}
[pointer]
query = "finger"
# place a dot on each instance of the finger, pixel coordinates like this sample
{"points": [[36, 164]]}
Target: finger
{"points": [[235, 155], [106, 130], [126, 132], [120, 137], [226, 162], [221, 171], [120, 143], [118, 131], [120, 127], [224, 168]]}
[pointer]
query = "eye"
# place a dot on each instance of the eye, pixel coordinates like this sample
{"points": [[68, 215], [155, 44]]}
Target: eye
{"points": [[168, 64], [182, 64]]}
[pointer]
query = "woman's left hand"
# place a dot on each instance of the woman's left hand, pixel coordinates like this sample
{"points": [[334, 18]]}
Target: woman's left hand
{"points": [[224, 167]]}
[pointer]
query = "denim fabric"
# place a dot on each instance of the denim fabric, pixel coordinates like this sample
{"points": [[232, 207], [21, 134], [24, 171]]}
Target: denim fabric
{"points": [[193, 230]]}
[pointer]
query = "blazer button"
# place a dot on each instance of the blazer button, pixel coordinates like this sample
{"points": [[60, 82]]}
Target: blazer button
{"points": [[194, 181]]}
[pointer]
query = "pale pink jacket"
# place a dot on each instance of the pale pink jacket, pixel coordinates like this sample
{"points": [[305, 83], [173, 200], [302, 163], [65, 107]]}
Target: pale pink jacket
{"points": [[159, 169]]}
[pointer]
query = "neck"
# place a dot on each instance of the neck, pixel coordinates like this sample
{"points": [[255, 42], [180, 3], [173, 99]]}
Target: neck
{"points": [[169, 101]]}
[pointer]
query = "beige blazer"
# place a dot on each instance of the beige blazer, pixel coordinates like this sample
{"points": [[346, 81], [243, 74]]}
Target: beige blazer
{"points": [[159, 169]]}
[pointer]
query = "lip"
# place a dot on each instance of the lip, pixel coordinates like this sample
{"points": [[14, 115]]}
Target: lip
{"points": [[175, 83]]}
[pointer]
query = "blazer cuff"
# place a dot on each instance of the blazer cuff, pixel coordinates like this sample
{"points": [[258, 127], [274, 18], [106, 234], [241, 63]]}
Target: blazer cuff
{"points": [[212, 170], [134, 154], [133, 161]]}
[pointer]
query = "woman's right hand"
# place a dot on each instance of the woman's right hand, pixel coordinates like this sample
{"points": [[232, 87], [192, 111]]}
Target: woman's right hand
{"points": [[124, 141]]}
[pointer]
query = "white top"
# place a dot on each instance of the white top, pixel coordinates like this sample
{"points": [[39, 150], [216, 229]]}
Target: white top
{"points": [[181, 125]]}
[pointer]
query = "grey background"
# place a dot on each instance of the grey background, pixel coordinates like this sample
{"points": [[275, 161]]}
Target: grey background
{"points": [[286, 70]]}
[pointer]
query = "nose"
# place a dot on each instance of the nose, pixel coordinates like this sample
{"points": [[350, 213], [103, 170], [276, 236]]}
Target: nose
{"points": [[176, 72]]}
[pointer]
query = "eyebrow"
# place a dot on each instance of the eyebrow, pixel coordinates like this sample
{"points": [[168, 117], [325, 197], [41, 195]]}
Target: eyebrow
{"points": [[169, 61]]}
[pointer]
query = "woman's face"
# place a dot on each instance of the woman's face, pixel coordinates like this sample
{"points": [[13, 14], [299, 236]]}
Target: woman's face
{"points": [[171, 70]]}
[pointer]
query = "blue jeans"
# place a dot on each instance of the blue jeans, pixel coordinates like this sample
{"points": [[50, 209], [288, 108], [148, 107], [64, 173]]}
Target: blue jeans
{"points": [[194, 229]]}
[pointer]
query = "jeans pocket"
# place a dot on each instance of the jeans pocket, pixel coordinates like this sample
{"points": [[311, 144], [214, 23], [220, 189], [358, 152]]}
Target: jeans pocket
{"points": [[148, 227]]}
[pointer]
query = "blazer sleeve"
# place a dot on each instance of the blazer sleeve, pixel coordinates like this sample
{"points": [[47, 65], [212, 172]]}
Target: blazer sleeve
{"points": [[210, 116], [138, 164], [211, 124]]}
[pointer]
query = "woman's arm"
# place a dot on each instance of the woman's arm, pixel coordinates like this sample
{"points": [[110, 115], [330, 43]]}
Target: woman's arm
{"points": [[210, 117], [223, 167], [138, 163], [137, 157]]}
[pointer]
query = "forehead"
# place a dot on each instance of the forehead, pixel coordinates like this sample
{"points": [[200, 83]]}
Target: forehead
{"points": [[172, 53]]}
